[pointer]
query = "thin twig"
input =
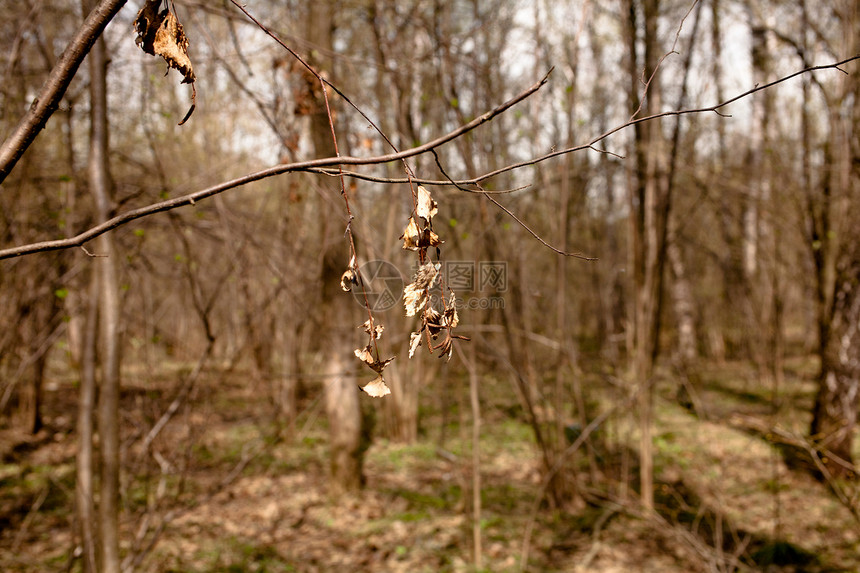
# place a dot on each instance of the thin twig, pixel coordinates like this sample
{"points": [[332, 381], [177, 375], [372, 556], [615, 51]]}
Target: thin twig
{"points": [[509, 212], [714, 108]]}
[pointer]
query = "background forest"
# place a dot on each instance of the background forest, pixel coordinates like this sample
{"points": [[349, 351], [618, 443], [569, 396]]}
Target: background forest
{"points": [[650, 243]]}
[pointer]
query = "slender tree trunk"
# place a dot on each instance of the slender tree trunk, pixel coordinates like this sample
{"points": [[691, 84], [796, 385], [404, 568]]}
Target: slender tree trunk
{"points": [[341, 391], [345, 421], [835, 412], [105, 266], [648, 199], [86, 412], [681, 291], [756, 228], [474, 401]]}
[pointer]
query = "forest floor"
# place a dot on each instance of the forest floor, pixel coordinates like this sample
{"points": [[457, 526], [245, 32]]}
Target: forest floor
{"points": [[223, 488]]}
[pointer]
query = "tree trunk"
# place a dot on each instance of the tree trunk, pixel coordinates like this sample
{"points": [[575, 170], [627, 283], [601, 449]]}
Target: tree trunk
{"points": [[343, 407], [837, 262], [345, 422], [755, 227], [684, 306], [835, 415], [84, 487], [105, 266], [648, 201], [835, 411]]}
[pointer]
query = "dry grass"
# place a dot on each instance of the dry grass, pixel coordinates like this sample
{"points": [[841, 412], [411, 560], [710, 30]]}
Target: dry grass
{"points": [[242, 499]]}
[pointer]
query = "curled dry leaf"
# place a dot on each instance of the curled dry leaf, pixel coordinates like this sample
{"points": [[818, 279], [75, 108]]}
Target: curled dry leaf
{"points": [[410, 236], [414, 299], [437, 322], [451, 319], [375, 331], [415, 295], [350, 277], [414, 342], [432, 321], [376, 387], [366, 355], [160, 33], [426, 207], [430, 239]]}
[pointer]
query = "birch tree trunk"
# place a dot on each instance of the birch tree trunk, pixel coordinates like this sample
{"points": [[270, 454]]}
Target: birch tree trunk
{"points": [[647, 198], [834, 213]]}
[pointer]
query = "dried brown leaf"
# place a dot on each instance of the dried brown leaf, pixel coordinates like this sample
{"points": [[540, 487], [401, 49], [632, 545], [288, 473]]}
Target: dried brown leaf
{"points": [[414, 299], [430, 239], [162, 34], [375, 330], [410, 236], [426, 207], [451, 319], [366, 355], [433, 320], [414, 342], [348, 279], [377, 387], [415, 295]]}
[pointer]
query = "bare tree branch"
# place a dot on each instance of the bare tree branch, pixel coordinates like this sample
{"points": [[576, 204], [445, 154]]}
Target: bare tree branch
{"points": [[192, 198], [714, 108], [317, 165], [54, 89]]}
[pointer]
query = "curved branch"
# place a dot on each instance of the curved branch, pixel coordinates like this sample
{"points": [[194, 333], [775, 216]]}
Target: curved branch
{"points": [[192, 198], [55, 86]]}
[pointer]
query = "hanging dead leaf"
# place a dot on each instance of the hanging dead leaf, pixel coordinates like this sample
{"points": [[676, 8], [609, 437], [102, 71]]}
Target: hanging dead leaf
{"points": [[415, 295], [414, 342], [160, 33], [410, 236], [429, 239], [451, 319], [366, 355], [414, 299], [426, 207], [350, 277], [447, 347], [376, 388], [432, 319], [427, 275], [375, 331]]}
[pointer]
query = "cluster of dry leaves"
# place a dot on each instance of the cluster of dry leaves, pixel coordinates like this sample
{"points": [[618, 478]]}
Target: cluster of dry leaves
{"points": [[416, 295], [417, 299]]}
